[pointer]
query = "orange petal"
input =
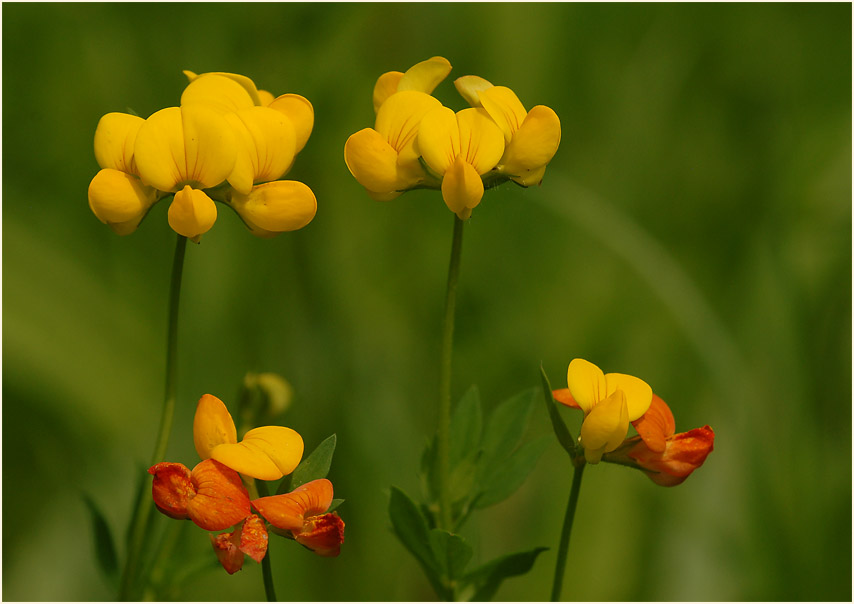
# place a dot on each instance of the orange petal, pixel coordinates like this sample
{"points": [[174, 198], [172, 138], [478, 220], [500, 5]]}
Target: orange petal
{"points": [[212, 425], [226, 548], [656, 425], [172, 488], [288, 511], [220, 500], [322, 534], [564, 396], [254, 538], [684, 453]]}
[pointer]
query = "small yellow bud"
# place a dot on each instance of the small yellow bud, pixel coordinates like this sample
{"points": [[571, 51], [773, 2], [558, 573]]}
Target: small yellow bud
{"points": [[192, 213]]}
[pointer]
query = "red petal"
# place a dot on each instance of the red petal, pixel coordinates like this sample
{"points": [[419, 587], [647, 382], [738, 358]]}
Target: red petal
{"points": [[289, 511], [656, 425], [322, 534], [562, 395], [684, 453], [172, 488], [221, 499], [253, 538]]}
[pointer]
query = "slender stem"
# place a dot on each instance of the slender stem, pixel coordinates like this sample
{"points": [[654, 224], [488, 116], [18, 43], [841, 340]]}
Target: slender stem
{"points": [[266, 569], [443, 432], [563, 548], [139, 521]]}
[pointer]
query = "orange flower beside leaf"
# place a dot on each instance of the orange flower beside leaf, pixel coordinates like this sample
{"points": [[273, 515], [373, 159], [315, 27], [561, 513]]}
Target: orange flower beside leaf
{"points": [[300, 514]]}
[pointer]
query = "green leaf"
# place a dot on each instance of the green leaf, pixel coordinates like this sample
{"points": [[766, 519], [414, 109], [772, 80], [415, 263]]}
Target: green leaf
{"points": [[451, 552], [564, 436], [466, 427], [485, 580], [312, 467], [334, 505], [105, 548], [504, 479], [411, 528], [506, 426]]}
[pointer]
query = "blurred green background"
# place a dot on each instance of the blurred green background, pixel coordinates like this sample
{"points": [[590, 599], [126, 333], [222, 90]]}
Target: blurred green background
{"points": [[693, 229]]}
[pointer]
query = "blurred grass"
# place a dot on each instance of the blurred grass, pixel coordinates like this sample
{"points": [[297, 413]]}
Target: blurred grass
{"points": [[694, 229]]}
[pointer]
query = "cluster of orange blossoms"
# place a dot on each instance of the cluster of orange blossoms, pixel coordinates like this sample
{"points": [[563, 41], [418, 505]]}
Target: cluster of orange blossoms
{"points": [[227, 141], [214, 497], [416, 142], [610, 402]]}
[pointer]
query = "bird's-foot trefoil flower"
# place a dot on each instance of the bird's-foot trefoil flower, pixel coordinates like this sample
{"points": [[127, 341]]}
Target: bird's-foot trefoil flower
{"points": [[532, 137], [417, 143], [609, 401], [460, 148], [249, 538], [666, 457], [301, 515], [224, 141]]}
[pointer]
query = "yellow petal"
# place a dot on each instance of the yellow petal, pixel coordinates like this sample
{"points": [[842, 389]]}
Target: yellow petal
{"points": [[225, 92], [462, 188], [120, 200], [534, 177], [300, 112], [534, 144], [266, 453], [372, 161], [605, 427], [265, 97], [481, 142], [275, 207], [212, 426], [114, 140], [505, 108], [385, 87], [425, 76], [185, 145], [192, 213], [399, 119], [266, 146], [638, 393], [586, 383], [439, 139], [469, 87]]}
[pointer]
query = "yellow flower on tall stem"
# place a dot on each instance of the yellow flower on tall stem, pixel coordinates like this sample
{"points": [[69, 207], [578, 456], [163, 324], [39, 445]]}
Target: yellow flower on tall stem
{"points": [[460, 148], [531, 137]]}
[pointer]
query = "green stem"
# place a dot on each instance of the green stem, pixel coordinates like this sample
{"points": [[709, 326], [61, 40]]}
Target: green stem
{"points": [[563, 548], [266, 569], [444, 429], [139, 521]]}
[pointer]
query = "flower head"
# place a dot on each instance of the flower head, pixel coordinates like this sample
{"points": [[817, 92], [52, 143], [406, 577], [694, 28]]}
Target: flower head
{"points": [[609, 401], [225, 140], [300, 515]]}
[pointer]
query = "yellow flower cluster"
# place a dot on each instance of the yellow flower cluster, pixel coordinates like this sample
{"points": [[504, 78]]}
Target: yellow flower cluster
{"points": [[227, 141], [416, 142]]}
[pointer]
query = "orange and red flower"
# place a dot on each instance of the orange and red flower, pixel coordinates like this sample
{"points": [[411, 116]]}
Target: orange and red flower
{"points": [[300, 515], [666, 457]]}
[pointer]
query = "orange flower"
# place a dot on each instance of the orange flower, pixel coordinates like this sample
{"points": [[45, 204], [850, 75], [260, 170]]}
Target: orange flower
{"points": [[212, 495], [668, 458], [250, 538], [300, 515]]}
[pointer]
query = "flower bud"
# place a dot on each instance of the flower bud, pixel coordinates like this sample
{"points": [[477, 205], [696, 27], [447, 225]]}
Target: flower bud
{"points": [[120, 200], [192, 213]]}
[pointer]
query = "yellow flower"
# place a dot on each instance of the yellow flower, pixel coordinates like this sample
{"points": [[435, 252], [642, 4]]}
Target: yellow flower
{"points": [[531, 137], [609, 401], [275, 207], [384, 159], [117, 196], [460, 148], [421, 77], [266, 453]]}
